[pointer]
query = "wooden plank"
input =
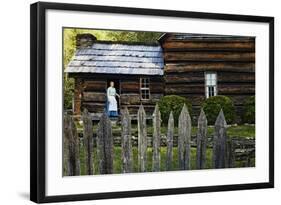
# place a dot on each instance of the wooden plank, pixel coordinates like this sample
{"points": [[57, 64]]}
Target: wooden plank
{"points": [[207, 56], [105, 145], [201, 140], [134, 99], [205, 38], [142, 140], [234, 77], [239, 99], [130, 86], [219, 142], [225, 89], [94, 85], [126, 144], [94, 96], [186, 88], [156, 139], [208, 45], [88, 141], [71, 146], [184, 135], [192, 77], [209, 66], [170, 136], [130, 99], [93, 107]]}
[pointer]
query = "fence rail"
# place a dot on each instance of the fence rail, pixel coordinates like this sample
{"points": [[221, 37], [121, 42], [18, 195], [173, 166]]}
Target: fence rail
{"points": [[225, 150]]}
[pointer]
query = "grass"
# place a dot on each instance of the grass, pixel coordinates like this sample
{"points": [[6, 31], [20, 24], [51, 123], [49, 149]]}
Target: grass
{"points": [[243, 131], [232, 131], [117, 164]]}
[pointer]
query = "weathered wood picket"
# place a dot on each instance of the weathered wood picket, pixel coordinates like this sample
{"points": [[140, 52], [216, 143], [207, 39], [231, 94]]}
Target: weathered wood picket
{"points": [[126, 142], [88, 141], [170, 136], [71, 144], [105, 145], [142, 140], [184, 139], [223, 148], [201, 140]]}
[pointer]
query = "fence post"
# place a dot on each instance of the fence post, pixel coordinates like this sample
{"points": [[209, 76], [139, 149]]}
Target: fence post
{"points": [[170, 136], [201, 140], [105, 145], [126, 141], [71, 140], [230, 154], [184, 134], [156, 139], [219, 142], [142, 139], [88, 141]]}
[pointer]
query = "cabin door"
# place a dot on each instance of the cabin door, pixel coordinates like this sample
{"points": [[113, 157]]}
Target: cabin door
{"points": [[117, 87]]}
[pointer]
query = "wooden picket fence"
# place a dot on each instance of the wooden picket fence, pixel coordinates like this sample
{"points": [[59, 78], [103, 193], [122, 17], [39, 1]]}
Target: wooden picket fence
{"points": [[223, 147]]}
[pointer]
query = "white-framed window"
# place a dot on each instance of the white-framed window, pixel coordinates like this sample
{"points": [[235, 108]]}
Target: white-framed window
{"points": [[144, 89], [210, 84]]}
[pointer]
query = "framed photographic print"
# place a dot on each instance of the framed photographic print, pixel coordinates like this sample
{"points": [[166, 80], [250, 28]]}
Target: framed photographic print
{"points": [[129, 102]]}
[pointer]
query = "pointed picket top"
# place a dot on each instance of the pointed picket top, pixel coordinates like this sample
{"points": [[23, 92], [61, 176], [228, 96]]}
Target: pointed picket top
{"points": [[125, 113], [156, 139], [171, 118], [184, 113], [142, 139], [104, 118], [86, 118], [220, 121], [85, 111], [184, 135], [170, 136], [141, 110], [202, 118], [156, 111]]}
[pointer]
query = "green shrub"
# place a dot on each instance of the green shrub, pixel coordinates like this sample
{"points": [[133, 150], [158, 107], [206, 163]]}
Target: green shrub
{"points": [[249, 110], [68, 92], [172, 103], [213, 105]]}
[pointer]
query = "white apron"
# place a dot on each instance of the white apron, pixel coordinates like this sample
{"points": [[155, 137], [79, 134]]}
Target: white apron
{"points": [[112, 103]]}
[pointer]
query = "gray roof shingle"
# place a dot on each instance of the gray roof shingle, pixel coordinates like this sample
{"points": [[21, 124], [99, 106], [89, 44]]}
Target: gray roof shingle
{"points": [[118, 58]]}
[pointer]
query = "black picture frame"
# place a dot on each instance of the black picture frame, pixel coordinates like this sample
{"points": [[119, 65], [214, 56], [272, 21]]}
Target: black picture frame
{"points": [[38, 103]]}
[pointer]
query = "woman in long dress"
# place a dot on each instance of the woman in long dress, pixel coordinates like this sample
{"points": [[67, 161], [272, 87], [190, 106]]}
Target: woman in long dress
{"points": [[112, 102]]}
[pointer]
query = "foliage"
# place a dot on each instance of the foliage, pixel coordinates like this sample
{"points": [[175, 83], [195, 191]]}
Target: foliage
{"points": [[173, 103], [68, 92], [249, 110], [213, 105]]}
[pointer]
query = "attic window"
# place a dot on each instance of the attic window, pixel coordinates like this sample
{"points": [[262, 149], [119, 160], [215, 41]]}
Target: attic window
{"points": [[144, 89], [210, 84]]}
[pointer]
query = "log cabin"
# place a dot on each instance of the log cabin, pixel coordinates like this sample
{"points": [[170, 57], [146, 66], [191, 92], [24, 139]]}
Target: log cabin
{"points": [[195, 66], [136, 69]]}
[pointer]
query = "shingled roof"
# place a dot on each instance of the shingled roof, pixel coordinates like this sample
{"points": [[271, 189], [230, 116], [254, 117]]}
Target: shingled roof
{"points": [[118, 58]]}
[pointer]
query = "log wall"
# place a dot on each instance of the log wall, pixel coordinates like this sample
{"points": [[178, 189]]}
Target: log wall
{"points": [[187, 60], [90, 93]]}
